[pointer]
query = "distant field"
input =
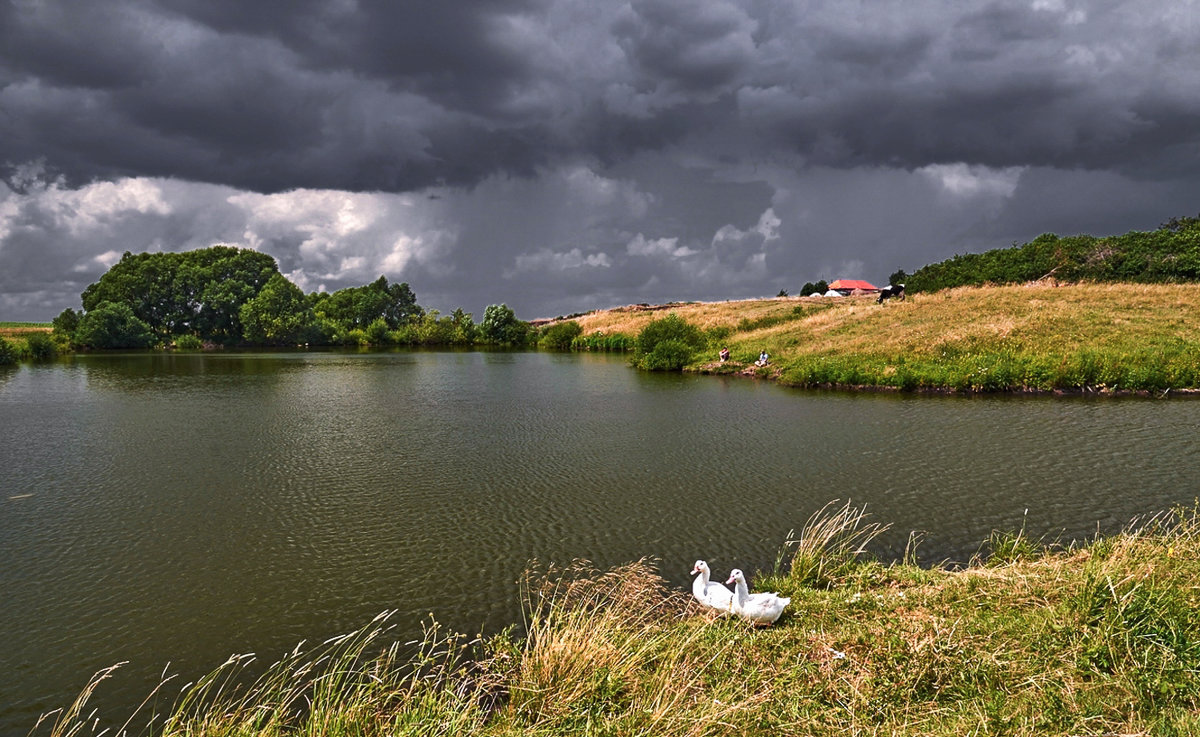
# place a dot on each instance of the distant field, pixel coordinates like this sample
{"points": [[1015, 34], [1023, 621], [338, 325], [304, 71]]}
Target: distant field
{"points": [[17, 329]]}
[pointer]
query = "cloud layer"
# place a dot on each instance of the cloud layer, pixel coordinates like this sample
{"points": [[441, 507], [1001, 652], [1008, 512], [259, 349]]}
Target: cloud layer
{"points": [[565, 154]]}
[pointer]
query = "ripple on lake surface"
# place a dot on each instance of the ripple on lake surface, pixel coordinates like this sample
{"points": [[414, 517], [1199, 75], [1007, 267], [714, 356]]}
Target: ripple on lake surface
{"points": [[182, 508]]}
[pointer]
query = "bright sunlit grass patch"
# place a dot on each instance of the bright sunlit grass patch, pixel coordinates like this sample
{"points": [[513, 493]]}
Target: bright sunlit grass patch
{"points": [[1082, 337]]}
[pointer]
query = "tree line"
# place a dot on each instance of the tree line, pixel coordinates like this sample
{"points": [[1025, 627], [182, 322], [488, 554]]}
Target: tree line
{"points": [[227, 296], [1169, 254]]}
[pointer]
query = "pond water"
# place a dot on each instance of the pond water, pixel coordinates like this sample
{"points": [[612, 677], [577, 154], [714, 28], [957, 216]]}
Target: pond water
{"points": [[174, 509]]}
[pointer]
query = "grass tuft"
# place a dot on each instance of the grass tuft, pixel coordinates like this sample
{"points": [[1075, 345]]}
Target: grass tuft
{"points": [[830, 544]]}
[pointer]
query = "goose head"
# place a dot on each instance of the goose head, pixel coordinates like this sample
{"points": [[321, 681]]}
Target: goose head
{"points": [[700, 567], [736, 576]]}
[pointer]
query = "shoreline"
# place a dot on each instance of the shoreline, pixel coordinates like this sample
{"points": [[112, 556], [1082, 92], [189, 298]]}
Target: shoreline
{"points": [[749, 371]]}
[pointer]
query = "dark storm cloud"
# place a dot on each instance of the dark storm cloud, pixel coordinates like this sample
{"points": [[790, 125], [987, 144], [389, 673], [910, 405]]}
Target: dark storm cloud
{"points": [[397, 96], [564, 154]]}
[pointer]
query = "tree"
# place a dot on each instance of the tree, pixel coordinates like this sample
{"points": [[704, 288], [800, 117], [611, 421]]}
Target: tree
{"points": [[358, 307], [231, 277], [113, 325], [501, 326], [277, 315], [66, 323], [198, 292], [144, 282], [898, 278], [821, 287], [807, 289], [465, 331]]}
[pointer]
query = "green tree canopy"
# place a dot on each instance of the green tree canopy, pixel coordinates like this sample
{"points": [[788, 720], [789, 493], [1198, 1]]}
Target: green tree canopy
{"points": [[199, 292], [358, 307], [501, 326], [66, 323], [277, 315], [113, 325]]}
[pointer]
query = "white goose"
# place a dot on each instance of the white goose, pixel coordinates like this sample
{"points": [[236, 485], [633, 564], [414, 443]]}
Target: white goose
{"points": [[763, 608], [710, 594]]}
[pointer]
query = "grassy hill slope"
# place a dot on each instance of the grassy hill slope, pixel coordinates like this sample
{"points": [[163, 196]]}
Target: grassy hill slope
{"points": [[1035, 337]]}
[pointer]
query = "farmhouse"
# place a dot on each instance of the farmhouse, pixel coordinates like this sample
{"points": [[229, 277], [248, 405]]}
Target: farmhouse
{"points": [[847, 287]]}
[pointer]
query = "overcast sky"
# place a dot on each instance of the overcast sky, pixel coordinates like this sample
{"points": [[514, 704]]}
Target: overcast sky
{"points": [[565, 155]]}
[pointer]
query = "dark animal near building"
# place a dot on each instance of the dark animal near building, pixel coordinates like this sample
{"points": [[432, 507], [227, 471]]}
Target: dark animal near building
{"points": [[891, 291]]}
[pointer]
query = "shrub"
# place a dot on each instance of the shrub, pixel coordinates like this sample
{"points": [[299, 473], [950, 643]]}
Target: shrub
{"points": [[113, 325], [377, 332], [561, 335], [8, 353], [668, 355], [672, 327], [188, 342], [41, 346]]}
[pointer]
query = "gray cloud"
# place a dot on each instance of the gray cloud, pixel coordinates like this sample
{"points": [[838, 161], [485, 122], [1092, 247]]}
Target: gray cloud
{"points": [[513, 150]]}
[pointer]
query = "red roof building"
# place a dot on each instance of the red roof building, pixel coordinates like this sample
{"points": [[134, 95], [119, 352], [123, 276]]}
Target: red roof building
{"points": [[849, 285]]}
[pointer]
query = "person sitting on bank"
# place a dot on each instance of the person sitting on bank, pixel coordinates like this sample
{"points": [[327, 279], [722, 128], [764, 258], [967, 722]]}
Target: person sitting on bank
{"points": [[724, 355], [762, 359]]}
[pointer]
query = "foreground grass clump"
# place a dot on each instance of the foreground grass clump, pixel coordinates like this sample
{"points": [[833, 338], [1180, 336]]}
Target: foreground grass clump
{"points": [[1102, 638]]}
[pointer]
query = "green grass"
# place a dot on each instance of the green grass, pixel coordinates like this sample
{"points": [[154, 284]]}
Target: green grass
{"points": [[1031, 639]]}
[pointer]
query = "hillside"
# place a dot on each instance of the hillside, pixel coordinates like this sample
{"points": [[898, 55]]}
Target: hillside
{"points": [[1033, 337], [1168, 255]]}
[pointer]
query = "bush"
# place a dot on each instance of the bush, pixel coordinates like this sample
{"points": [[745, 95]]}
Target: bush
{"points": [[668, 344], [8, 353], [561, 335], [668, 355], [672, 327], [41, 346], [188, 342], [113, 325], [377, 332]]}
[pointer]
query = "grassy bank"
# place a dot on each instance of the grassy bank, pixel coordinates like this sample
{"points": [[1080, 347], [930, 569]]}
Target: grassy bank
{"points": [[1102, 638], [1081, 337]]}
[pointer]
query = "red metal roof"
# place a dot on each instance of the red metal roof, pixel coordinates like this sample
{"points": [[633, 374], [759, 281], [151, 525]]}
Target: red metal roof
{"points": [[853, 284]]}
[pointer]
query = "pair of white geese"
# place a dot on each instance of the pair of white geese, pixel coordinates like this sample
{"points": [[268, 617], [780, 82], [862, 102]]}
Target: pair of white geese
{"points": [[763, 608]]}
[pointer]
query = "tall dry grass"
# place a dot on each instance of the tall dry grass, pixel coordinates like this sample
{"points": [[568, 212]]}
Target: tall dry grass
{"points": [[1098, 637]]}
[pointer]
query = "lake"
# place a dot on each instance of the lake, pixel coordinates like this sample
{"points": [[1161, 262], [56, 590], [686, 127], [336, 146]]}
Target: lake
{"points": [[174, 509]]}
